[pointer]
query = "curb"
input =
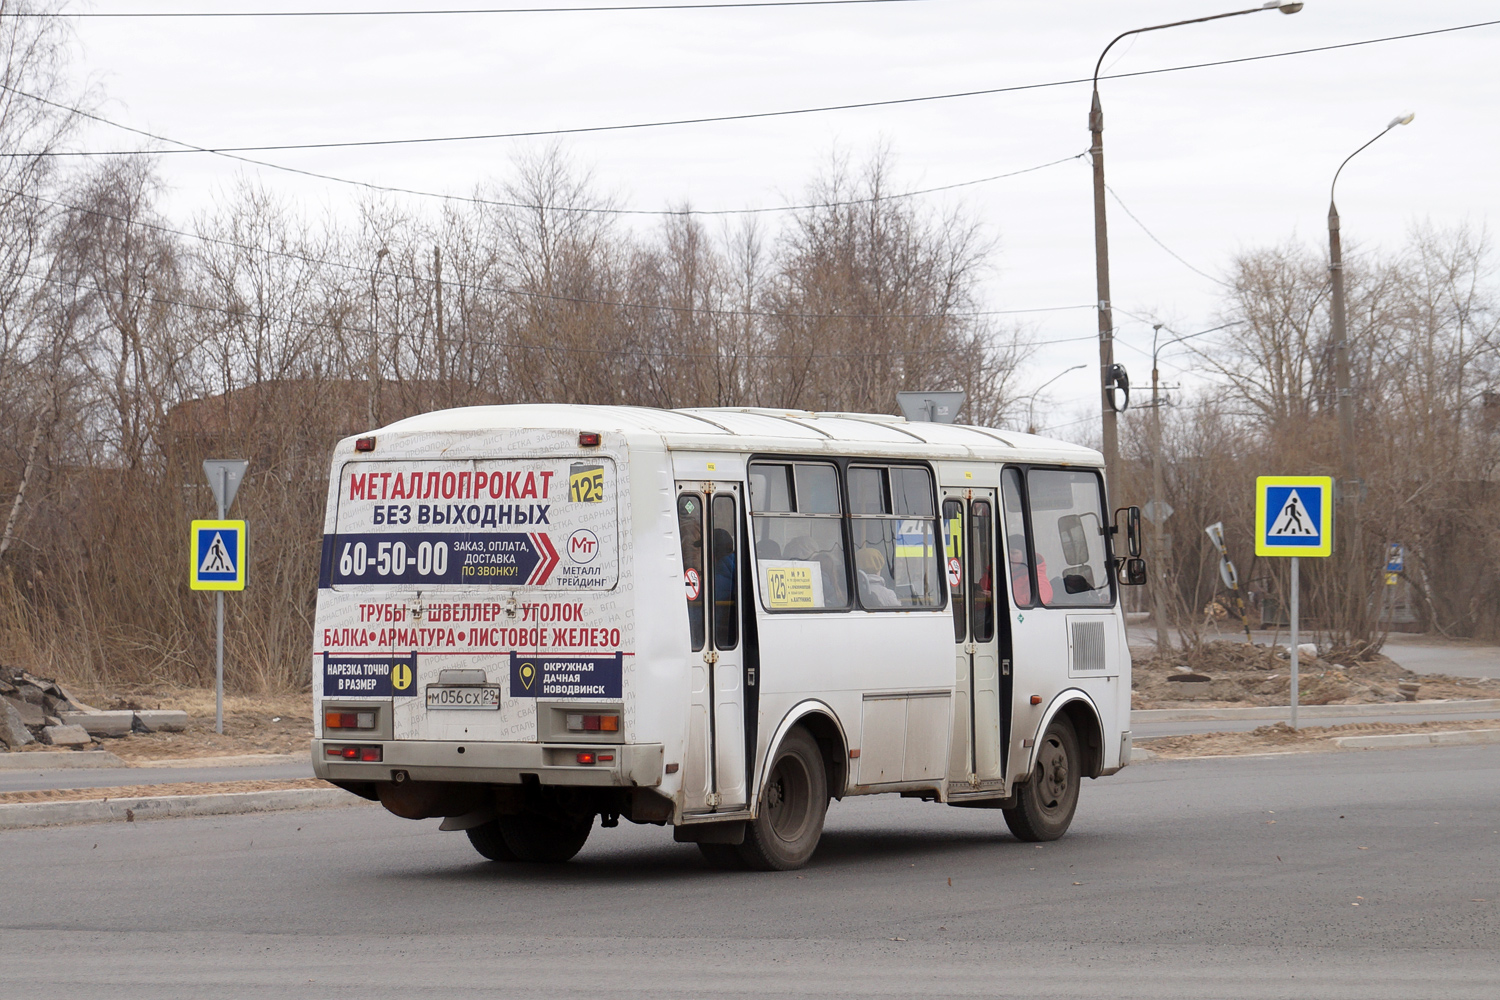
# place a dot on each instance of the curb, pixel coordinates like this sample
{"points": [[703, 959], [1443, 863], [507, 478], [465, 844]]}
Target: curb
{"points": [[1460, 737], [47, 760], [235, 760], [22, 815], [1284, 713]]}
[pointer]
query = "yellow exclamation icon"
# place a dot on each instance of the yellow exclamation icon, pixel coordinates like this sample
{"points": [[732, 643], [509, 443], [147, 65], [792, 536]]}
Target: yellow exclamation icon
{"points": [[401, 677]]}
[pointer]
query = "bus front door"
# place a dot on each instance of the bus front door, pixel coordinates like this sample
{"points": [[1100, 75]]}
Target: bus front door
{"points": [[982, 660], [714, 773]]}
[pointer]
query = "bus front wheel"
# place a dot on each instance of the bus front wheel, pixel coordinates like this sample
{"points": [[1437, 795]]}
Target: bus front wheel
{"points": [[786, 830], [1047, 801]]}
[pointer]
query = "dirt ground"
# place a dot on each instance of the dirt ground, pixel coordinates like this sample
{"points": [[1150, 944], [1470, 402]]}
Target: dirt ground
{"points": [[139, 791], [1242, 675], [1282, 737], [253, 724]]}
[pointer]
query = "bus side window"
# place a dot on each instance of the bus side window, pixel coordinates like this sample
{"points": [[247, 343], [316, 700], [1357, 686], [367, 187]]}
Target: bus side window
{"points": [[690, 528], [797, 522], [982, 570], [953, 518], [1067, 521], [1017, 552], [725, 574]]}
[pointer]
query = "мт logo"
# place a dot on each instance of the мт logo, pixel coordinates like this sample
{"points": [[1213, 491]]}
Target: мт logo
{"points": [[583, 546]]}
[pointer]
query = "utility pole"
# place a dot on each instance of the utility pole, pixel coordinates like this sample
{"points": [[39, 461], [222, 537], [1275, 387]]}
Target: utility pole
{"points": [[442, 345], [1351, 487], [372, 365], [1158, 494], [1111, 439]]}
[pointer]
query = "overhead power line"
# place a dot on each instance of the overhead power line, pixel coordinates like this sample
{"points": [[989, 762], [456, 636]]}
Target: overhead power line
{"points": [[704, 120], [444, 12]]}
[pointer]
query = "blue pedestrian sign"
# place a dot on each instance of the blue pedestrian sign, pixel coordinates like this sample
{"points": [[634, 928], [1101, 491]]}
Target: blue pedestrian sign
{"points": [[217, 555], [1294, 516]]}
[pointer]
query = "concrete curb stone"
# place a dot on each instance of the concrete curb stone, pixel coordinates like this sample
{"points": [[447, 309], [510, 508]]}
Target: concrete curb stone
{"points": [[23, 815], [1282, 712], [46, 761], [1459, 737]]}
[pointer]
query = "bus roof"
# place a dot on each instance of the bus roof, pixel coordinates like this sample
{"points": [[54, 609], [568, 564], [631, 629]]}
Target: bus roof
{"points": [[759, 429]]}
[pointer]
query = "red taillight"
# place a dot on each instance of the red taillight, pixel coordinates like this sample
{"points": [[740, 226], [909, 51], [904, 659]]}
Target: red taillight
{"points": [[586, 756], [589, 439], [365, 754], [606, 757], [364, 444]]}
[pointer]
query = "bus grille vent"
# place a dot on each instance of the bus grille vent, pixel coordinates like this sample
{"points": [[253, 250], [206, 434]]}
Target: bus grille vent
{"points": [[1088, 645]]}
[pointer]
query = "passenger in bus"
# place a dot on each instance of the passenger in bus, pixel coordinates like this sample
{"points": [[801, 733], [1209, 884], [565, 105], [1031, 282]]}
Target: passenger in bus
{"points": [[1020, 573], [723, 566], [873, 590]]}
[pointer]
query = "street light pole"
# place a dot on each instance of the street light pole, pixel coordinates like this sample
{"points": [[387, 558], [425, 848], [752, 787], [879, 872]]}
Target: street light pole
{"points": [[1031, 400], [1111, 441], [1350, 486], [1159, 494]]}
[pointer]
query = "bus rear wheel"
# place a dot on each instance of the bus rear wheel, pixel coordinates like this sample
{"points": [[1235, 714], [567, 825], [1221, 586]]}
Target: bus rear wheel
{"points": [[786, 830], [1047, 801], [542, 839], [490, 842]]}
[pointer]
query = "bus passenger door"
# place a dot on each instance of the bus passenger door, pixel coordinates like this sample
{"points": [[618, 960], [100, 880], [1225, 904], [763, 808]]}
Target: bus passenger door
{"points": [[708, 518], [969, 515]]}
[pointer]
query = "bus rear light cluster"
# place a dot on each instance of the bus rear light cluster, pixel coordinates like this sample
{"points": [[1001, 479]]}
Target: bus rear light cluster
{"points": [[593, 723], [591, 757], [349, 720], [367, 755]]}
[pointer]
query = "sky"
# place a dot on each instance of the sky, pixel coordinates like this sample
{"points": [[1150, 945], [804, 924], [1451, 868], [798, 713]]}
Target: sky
{"points": [[1214, 161]]}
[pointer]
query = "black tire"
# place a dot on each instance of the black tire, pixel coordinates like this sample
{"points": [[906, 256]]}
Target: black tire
{"points": [[1046, 803], [786, 829], [725, 856], [543, 840], [490, 842]]}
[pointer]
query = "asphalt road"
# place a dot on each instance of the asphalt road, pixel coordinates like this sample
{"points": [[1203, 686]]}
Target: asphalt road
{"points": [[1196, 879]]}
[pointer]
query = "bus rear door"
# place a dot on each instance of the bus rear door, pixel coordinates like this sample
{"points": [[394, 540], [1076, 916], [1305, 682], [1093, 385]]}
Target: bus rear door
{"points": [[714, 773], [981, 683]]}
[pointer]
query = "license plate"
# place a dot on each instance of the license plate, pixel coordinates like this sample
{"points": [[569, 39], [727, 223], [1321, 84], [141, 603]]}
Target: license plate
{"points": [[463, 697]]}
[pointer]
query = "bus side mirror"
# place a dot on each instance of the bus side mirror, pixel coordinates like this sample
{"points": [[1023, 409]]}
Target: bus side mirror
{"points": [[1132, 572], [1132, 529]]}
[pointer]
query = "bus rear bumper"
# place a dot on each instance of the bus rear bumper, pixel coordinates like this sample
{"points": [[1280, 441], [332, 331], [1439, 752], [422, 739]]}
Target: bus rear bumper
{"points": [[634, 765]]}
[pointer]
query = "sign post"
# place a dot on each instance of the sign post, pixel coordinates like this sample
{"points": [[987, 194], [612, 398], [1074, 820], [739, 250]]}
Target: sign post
{"points": [[217, 554], [1294, 518]]}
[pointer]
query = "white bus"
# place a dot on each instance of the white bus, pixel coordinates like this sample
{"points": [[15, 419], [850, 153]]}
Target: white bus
{"points": [[530, 617]]}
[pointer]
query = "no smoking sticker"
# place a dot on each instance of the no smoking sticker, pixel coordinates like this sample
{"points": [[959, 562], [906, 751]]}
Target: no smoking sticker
{"points": [[955, 572], [693, 584]]}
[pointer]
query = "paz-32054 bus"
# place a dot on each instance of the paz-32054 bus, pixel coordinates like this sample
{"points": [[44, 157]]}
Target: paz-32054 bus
{"points": [[530, 617]]}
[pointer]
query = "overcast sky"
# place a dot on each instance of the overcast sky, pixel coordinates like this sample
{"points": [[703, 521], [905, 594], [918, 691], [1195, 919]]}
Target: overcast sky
{"points": [[1214, 161]]}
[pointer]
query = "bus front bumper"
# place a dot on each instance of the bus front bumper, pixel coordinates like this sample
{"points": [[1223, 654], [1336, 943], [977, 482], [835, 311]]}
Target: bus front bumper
{"points": [[635, 765]]}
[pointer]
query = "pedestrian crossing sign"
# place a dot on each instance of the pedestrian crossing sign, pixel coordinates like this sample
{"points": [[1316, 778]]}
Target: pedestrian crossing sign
{"points": [[216, 552], [1294, 516]]}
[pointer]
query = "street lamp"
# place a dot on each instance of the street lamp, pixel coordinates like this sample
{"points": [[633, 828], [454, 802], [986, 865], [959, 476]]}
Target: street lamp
{"points": [[1350, 484], [1111, 440], [1031, 405]]}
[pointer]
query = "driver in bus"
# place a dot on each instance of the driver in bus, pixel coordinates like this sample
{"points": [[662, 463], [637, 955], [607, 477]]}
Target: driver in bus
{"points": [[1020, 573]]}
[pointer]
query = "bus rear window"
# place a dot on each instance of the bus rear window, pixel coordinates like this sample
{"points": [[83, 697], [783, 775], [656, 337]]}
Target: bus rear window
{"points": [[547, 523]]}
